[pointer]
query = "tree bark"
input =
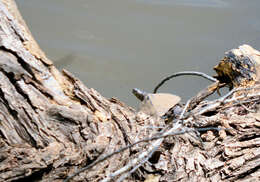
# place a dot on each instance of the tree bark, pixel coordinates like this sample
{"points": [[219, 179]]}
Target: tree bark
{"points": [[52, 125]]}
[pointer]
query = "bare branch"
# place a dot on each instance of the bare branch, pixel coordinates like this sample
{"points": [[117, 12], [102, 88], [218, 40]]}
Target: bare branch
{"points": [[223, 100], [145, 155], [123, 177], [182, 74], [151, 149]]}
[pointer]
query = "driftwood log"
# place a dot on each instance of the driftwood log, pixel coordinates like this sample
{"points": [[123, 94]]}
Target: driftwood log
{"points": [[54, 128]]}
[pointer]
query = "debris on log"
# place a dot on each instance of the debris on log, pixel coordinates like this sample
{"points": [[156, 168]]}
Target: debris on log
{"points": [[54, 128], [155, 104]]}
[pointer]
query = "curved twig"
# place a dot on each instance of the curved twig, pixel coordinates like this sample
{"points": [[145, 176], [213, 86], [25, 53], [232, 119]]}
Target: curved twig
{"points": [[210, 78]]}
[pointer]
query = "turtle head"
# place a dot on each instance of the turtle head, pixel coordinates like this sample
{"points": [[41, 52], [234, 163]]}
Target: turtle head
{"points": [[139, 94]]}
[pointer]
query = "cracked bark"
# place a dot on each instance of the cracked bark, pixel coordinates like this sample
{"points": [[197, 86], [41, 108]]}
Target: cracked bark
{"points": [[52, 125]]}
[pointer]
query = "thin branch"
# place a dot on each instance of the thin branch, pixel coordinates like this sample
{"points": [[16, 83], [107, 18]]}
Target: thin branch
{"points": [[223, 100], [171, 132], [210, 78], [123, 177], [203, 94], [186, 130], [150, 149], [184, 110], [131, 145], [237, 90], [247, 109]]}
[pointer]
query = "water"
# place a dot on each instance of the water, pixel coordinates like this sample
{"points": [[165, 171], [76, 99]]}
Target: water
{"points": [[116, 45]]}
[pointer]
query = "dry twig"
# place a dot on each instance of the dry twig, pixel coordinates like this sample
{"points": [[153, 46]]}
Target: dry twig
{"points": [[224, 100], [182, 74], [176, 129]]}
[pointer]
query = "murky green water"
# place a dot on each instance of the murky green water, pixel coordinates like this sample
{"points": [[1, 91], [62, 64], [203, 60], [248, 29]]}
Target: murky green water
{"points": [[116, 45]]}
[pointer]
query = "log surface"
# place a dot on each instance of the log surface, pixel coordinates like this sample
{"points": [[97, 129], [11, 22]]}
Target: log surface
{"points": [[52, 125]]}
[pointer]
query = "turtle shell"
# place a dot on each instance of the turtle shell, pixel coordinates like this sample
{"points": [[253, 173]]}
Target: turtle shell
{"points": [[158, 104]]}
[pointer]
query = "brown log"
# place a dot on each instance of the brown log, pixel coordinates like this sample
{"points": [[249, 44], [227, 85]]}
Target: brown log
{"points": [[52, 125]]}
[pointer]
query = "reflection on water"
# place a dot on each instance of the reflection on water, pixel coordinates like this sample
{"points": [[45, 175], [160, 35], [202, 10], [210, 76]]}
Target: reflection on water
{"points": [[116, 45]]}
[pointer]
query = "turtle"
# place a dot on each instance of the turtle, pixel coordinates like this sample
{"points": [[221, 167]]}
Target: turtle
{"points": [[156, 104]]}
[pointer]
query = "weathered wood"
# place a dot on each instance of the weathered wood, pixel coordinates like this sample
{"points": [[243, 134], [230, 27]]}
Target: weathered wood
{"points": [[239, 67], [52, 125], [50, 120]]}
